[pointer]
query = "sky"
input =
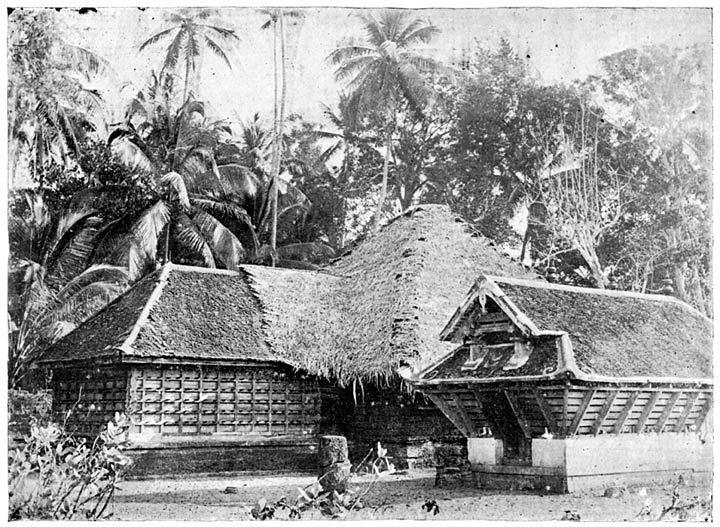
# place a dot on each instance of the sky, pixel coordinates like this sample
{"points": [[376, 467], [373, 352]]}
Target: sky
{"points": [[560, 44]]}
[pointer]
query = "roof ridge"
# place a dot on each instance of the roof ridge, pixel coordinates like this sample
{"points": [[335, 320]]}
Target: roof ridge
{"points": [[126, 346], [591, 291], [197, 269]]}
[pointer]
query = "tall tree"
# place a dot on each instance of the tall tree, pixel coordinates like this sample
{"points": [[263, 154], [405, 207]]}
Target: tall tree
{"points": [[199, 205], [191, 37], [276, 20], [383, 70], [49, 107], [662, 99]]}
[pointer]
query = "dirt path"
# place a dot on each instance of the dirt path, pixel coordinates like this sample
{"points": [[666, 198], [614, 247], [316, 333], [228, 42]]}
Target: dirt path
{"points": [[397, 497]]}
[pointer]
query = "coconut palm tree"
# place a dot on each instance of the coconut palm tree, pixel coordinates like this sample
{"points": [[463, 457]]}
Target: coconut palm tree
{"points": [[276, 20], [197, 202], [383, 71], [191, 37], [55, 280]]}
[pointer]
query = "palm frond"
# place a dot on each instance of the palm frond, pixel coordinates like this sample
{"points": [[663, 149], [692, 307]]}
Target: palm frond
{"points": [[178, 190], [225, 244], [156, 38], [149, 225], [223, 32], [351, 67], [173, 52], [131, 155], [96, 273], [419, 35], [191, 237], [84, 59], [344, 53], [212, 46]]}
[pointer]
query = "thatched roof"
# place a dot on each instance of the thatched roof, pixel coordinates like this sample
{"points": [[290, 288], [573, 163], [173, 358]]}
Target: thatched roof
{"points": [[404, 283], [376, 309], [175, 312], [607, 334]]}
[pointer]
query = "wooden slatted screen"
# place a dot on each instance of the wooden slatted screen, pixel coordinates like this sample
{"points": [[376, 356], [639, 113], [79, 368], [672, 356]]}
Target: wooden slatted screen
{"points": [[202, 400], [92, 395]]}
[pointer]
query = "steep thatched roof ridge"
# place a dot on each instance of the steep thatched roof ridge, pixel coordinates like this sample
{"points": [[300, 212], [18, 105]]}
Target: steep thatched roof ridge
{"points": [[606, 335], [616, 334], [177, 312], [405, 282]]}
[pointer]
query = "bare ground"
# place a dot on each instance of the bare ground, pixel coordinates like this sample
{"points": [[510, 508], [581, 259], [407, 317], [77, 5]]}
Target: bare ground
{"points": [[393, 497]]}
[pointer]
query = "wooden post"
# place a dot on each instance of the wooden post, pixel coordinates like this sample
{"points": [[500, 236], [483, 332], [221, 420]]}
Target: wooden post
{"points": [[517, 411], [449, 413], [333, 463], [463, 415], [546, 411]]}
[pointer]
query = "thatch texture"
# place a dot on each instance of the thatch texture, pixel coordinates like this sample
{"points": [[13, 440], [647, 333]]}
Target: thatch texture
{"points": [[620, 335], [104, 333], [177, 312], [378, 308], [404, 283]]}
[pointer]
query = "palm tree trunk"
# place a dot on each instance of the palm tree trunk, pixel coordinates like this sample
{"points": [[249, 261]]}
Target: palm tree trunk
{"points": [[383, 187], [187, 81], [275, 154], [278, 156]]}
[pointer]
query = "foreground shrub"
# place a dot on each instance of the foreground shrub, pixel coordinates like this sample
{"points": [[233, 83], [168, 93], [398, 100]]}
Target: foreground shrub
{"points": [[56, 476], [330, 503]]}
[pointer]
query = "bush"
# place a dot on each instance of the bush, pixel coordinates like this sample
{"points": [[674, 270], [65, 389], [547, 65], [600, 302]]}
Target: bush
{"points": [[56, 476]]}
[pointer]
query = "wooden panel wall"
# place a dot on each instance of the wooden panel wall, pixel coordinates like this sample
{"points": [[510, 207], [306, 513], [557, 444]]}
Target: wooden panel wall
{"points": [[92, 394], [201, 400]]}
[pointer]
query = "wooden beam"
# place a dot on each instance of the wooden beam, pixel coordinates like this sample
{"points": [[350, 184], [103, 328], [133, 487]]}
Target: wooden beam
{"points": [[566, 397], [580, 412], [199, 400], [449, 413], [690, 399], [546, 411], [700, 419], [646, 411], [604, 411], [666, 411], [625, 413], [463, 415], [269, 381], [517, 410], [253, 418]]}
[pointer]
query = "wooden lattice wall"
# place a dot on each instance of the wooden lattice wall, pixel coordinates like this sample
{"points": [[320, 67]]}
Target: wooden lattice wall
{"points": [[91, 394], [203, 400]]}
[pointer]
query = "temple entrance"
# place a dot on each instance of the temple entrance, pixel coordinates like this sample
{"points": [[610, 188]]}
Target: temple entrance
{"points": [[516, 447]]}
